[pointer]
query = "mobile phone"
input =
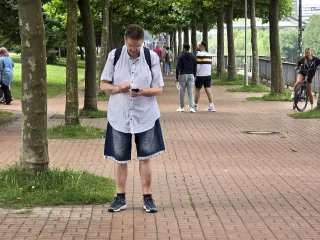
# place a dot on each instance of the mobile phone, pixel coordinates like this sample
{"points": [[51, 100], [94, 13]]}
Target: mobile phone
{"points": [[135, 89]]}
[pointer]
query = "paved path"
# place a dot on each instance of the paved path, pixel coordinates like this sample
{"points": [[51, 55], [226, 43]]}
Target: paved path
{"points": [[214, 182]]}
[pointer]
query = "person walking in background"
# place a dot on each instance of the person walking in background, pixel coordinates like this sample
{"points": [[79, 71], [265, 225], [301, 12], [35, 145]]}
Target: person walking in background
{"points": [[133, 79], [6, 74], [185, 73], [204, 66], [168, 57], [157, 50]]}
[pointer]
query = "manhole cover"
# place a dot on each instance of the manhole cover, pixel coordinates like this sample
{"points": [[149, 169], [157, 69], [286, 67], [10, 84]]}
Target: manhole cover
{"points": [[261, 132]]}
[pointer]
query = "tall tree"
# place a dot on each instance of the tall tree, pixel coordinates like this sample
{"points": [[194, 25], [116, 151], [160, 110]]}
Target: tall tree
{"points": [[175, 50], [277, 82], [232, 70], [194, 37], [72, 99], [34, 143], [104, 35], [254, 45], [220, 43], [186, 34], [205, 32], [179, 42], [90, 95]]}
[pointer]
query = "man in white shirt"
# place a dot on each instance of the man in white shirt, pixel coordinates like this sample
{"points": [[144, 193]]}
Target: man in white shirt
{"points": [[204, 66], [133, 78]]}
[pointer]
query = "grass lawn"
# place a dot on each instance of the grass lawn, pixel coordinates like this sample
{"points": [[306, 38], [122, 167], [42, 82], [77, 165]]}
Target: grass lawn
{"points": [[314, 113], [283, 97], [56, 77], [92, 114], [258, 88], [103, 96], [54, 187], [75, 132], [5, 117], [223, 80]]}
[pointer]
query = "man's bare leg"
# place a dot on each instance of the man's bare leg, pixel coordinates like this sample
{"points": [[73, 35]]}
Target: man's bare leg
{"points": [[121, 174]]}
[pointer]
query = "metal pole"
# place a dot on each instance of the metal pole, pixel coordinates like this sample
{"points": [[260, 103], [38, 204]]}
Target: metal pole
{"points": [[300, 29], [245, 45]]}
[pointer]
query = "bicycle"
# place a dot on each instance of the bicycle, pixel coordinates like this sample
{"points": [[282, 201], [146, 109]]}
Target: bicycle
{"points": [[300, 99]]}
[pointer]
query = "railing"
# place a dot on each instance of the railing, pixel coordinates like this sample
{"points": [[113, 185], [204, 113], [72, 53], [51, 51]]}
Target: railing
{"points": [[289, 74]]}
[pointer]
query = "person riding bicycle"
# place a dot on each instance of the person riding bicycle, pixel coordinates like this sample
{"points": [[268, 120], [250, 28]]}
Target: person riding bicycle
{"points": [[308, 66]]}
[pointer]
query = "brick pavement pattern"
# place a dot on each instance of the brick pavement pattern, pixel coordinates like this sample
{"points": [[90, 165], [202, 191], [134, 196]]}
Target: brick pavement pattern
{"points": [[214, 182]]}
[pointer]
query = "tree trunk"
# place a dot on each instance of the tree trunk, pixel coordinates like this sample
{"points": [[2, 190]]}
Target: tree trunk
{"points": [[194, 37], [179, 42], [277, 82], [104, 35], [318, 103], [72, 99], [110, 45], [186, 35], [175, 44], [34, 142], [90, 95], [254, 43], [220, 44], [205, 33], [232, 69]]}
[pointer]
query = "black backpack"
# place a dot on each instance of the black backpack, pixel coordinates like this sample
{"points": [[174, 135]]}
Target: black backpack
{"points": [[146, 55]]}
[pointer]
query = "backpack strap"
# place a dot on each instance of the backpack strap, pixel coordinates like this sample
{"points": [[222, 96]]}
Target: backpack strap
{"points": [[146, 55], [117, 56]]}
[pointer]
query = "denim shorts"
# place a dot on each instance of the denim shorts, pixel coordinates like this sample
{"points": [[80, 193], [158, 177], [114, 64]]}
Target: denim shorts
{"points": [[118, 145]]}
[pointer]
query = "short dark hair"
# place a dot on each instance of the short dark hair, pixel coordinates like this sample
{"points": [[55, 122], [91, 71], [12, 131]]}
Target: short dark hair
{"points": [[203, 43], [167, 48], [186, 46], [135, 32]]}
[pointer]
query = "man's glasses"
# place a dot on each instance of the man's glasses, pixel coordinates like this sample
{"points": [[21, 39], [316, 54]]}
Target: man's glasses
{"points": [[133, 48]]}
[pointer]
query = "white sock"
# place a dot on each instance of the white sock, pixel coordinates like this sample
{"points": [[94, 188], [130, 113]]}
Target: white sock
{"points": [[211, 105]]}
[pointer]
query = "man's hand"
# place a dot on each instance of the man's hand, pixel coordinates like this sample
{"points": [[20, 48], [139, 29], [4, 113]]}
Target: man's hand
{"points": [[124, 87], [136, 94]]}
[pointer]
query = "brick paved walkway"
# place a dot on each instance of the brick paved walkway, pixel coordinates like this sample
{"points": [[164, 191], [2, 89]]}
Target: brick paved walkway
{"points": [[214, 182]]}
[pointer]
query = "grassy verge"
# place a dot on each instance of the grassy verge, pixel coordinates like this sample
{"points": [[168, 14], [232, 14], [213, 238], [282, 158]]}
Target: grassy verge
{"points": [[259, 88], [5, 117], [283, 97], [5, 113], [75, 132], [103, 96], [314, 113], [92, 114], [56, 77], [223, 80], [54, 187]]}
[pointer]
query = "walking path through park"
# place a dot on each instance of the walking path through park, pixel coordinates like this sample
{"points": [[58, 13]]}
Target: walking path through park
{"points": [[214, 182]]}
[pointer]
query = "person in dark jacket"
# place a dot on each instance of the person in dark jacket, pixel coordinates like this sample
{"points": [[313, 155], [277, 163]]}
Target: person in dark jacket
{"points": [[308, 66], [185, 74]]}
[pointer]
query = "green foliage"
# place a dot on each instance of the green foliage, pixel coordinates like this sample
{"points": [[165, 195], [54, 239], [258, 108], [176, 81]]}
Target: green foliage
{"points": [[314, 113], [54, 187], [92, 114], [56, 77], [259, 88], [311, 35], [75, 132], [4, 121]]}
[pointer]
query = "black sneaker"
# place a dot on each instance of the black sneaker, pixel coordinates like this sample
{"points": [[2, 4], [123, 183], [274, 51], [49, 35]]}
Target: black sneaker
{"points": [[149, 206], [117, 205]]}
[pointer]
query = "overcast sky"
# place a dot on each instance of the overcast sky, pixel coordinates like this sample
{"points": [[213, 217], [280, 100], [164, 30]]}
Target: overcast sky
{"points": [[310, 2]]}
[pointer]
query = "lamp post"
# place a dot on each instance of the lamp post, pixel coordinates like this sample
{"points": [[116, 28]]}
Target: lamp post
{"points": [[245, 45]]}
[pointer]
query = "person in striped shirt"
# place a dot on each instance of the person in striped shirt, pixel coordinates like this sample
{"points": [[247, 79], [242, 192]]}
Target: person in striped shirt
{"points": [[204, 65]]}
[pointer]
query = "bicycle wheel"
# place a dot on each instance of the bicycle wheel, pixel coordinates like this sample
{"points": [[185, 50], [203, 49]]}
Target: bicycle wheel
{"points": [[301, 97]]}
